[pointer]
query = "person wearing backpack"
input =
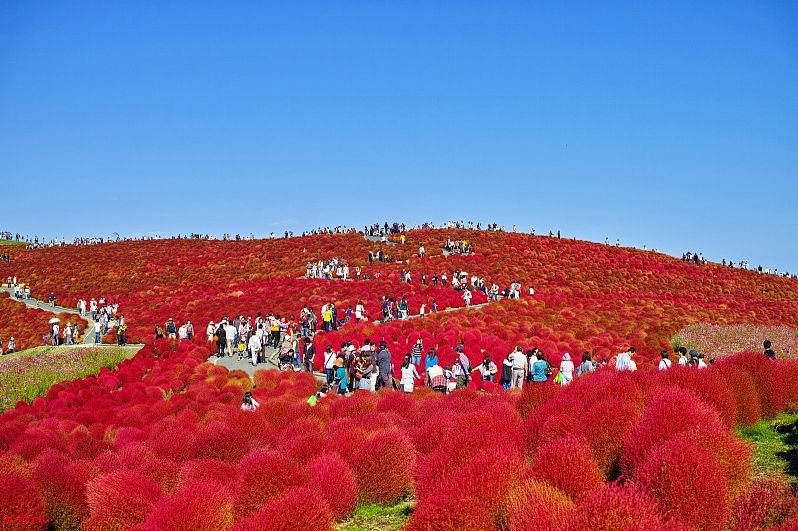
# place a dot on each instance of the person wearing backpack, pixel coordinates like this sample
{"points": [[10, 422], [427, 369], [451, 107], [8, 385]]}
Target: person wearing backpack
{"points": [[329, 363], [507, 372], [665, 363]]}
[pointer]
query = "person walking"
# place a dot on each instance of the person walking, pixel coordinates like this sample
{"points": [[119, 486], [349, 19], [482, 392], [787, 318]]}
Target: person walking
{"points": [[308, 354], [329, 364], [507, 372], [97, 332], [520, 368], [566, 370], [665, 363], [384, 366], [254, 349]]}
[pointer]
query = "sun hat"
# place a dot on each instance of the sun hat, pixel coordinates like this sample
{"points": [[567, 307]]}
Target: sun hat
{"points": [[566, 357], [339, 362]]}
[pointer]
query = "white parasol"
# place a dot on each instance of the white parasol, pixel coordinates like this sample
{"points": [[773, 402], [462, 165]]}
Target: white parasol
{"points": [[55, 320]]}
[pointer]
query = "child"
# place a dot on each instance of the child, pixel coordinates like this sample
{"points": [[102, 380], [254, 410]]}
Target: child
{"points": [[318, 394]]}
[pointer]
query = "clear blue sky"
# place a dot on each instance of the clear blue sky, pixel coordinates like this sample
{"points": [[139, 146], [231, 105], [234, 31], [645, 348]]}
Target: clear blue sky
{"points": [[670, 124]]}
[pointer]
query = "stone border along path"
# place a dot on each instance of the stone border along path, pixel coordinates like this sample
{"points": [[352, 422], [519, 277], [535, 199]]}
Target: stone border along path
{"points": [[88, 334]]}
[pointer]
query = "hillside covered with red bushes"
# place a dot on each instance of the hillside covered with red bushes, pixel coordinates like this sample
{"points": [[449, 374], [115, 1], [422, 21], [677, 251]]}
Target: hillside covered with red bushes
{"points": [[161, 443], [587, 296]]}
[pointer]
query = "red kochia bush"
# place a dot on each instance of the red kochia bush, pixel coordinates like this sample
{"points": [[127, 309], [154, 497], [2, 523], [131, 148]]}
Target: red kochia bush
{"points": [[568, 464], [384, 469], [198, 505], [766, 504], [63, 486], [536, 506], [604, 426], [264, 475], [669, 413], [332, 478], [296, 509], [709, 386], [687, 485], [22, 507], [615, 508], [744, 392], [120, 499]]}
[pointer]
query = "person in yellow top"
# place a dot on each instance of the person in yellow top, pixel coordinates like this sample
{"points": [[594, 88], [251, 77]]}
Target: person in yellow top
{"points": [[327, 317], [402, 239]]}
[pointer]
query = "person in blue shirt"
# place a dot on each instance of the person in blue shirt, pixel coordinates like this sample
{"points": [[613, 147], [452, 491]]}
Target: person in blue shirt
{"points": [[539, 369], [340, 376], [431, 359]]}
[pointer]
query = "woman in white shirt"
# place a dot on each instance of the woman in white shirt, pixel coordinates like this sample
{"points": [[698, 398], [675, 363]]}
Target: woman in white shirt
{"points": [[665, 363], [566, 369], [409, 375]]}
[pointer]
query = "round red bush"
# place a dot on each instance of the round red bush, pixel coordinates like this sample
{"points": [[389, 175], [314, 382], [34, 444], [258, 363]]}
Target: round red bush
{"points": [[568, 464], [23, 506], [198, 505], [384, 468], [120, 499], [334, 481], [615, 508], [687, 486], [296, 509]]}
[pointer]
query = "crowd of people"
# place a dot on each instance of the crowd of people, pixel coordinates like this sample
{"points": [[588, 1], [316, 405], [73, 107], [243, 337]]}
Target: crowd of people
{"points": [[334, 268], [383, 230]]}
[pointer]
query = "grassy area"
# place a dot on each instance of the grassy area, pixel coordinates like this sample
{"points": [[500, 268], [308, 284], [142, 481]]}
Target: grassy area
{"points": [[774, 445], [378, 518], [11, 242], [27, 375]]}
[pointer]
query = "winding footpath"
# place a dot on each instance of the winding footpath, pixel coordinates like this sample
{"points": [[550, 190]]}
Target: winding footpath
{"points": [[88, 333]]}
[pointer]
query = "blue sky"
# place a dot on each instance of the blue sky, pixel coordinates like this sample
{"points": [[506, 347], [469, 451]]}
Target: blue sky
{"points": [[670, 124]]}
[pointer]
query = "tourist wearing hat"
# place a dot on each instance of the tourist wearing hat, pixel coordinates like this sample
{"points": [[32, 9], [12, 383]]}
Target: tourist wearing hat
{"points": [[566, 370]]}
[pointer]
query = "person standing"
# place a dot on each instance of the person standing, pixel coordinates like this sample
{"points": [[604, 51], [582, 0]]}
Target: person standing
{"points": [[665, 363], [487, 369], [540, 369], [329, 363], [221, 340], [467, 297], [519, 362], [97, 332], [566, 370], [418, 348], [308, 355], [623, 361], [409, 375], [384, 366], [254, 349]]}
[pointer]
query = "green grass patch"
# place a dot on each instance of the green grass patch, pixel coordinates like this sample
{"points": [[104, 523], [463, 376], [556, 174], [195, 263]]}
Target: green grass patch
{"points": [[768, 444], [27, 375], [378, 517], [11, 242]]}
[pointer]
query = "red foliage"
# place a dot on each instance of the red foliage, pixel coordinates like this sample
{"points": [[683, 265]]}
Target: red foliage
{"points": [[264, 474], [120, 499], [687, 485], [615, 508], [198, 505], [384, 469], [668, 414], [766, 504], [22, 507], [296, 509], [568, 464], [537, 506], [334, 481]]}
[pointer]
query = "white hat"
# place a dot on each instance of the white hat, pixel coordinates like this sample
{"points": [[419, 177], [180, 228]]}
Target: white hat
{"points": [[566, 357]]}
